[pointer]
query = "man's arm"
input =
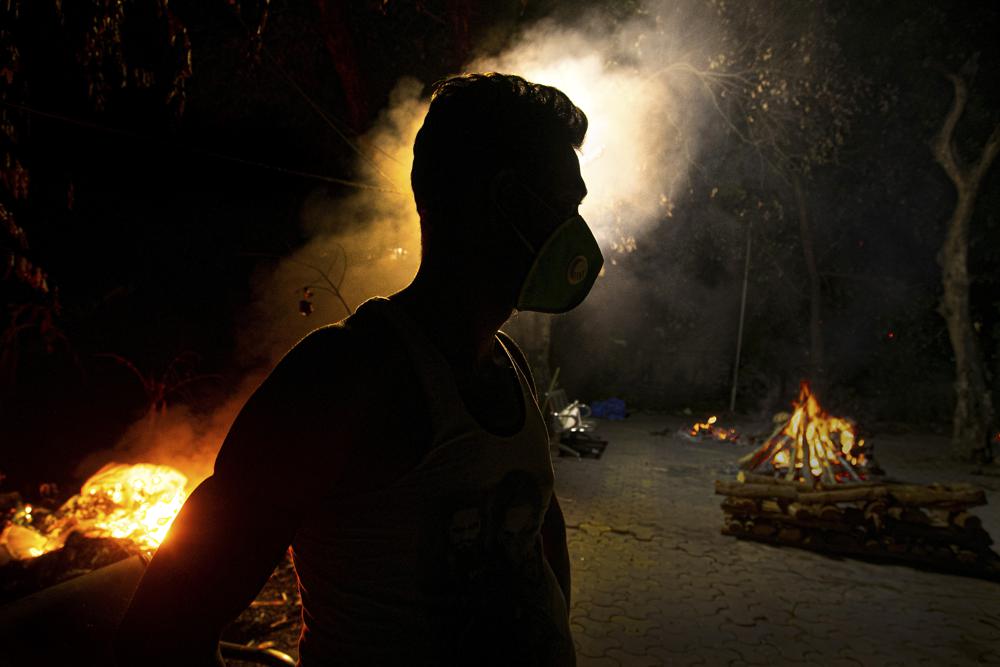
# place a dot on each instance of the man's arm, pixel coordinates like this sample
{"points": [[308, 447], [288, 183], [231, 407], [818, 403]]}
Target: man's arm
{"points": [[220, 551], [555, 548], [278, 458]]}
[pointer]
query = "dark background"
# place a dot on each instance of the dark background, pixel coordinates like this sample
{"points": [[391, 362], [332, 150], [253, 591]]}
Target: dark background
{"points": [[149, 240]]}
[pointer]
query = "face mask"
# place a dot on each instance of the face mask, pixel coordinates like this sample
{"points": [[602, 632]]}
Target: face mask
{"points": [[563, 269]]}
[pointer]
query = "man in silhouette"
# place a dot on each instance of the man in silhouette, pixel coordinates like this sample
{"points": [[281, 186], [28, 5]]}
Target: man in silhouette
{"points": [[393, 451]]}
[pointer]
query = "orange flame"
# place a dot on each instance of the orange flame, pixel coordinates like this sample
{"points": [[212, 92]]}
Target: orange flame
{"points": [[134, 502], [708, 428], [812, 446]]}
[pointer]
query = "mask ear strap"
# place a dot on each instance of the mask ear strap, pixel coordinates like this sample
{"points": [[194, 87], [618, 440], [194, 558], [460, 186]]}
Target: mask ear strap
{"points": [[500, 193]]}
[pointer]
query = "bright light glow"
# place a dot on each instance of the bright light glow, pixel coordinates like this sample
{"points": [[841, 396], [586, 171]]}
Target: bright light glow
{"points": [[132, 502]]}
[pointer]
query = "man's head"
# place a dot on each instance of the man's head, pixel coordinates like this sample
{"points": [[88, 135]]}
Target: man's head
{"points": [[495, 146]]}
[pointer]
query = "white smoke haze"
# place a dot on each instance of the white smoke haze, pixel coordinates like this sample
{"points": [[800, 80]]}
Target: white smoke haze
{"points": [[371, 237], [646, 111], [181, 437]]}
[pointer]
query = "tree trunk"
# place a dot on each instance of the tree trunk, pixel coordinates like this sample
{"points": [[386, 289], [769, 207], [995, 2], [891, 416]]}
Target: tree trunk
{"points": [[817, 361], [973, 402]]}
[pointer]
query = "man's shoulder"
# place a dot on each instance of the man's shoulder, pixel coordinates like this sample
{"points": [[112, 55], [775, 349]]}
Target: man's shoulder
{"points": [[331, 353]]}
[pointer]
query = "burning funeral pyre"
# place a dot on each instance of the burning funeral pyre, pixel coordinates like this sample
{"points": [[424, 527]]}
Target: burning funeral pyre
{"points": [[136, 503], [709, 429], [812, 446], [124, 511], [814, 485]]}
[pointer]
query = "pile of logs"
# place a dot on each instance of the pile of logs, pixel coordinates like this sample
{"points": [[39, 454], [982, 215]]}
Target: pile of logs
{"points": [[928, 526]]}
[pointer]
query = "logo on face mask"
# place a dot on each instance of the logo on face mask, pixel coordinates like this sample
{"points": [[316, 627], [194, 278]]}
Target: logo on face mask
{"points": [[577, 270]]}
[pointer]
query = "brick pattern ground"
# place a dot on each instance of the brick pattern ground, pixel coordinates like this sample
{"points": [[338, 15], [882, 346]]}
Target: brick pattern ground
{"points": [[655, 583]]}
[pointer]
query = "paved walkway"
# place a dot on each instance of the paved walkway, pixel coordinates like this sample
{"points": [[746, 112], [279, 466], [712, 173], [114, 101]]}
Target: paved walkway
{"points": [[655, 583]]}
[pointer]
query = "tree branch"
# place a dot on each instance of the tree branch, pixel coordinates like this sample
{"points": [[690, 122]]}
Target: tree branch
{"points": [[989, 153], [943, 145]]}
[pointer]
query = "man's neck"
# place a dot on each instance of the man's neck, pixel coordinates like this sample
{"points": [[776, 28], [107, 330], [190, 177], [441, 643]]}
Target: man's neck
{"points": [[461, 319]]}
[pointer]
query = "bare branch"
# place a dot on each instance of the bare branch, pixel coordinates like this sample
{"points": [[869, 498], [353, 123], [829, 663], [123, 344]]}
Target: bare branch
{"points": [[943, 145], [146, 383], [989, 153]]}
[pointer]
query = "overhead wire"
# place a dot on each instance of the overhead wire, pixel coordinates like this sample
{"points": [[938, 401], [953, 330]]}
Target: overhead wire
{"points": [[316, 107], [197, 150]]}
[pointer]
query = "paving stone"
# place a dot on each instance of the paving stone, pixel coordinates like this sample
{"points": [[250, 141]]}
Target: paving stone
{"points": [[591, 627], [647, 543], [626, 659], [758, 653], [588, 661], [604, 614], [594, 647], [632, 626]]}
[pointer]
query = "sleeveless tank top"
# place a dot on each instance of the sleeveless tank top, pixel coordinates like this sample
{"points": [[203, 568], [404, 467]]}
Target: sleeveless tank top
{"points": [[444, 566]]}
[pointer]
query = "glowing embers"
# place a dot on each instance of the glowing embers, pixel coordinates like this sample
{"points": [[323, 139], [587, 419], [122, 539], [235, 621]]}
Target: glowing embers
{"points": [[711, 430], [130, 502], [812, 446]]}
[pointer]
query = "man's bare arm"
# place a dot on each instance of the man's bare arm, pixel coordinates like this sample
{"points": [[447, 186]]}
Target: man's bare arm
{"points": [[555, 548], [279, 458], [220, 552]]}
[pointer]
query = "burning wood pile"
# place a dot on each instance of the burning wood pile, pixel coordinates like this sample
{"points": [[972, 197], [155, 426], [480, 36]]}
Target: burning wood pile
{"points": [[710, 430], [137, 503], [814, 485], [122, 510], [812, 446]]}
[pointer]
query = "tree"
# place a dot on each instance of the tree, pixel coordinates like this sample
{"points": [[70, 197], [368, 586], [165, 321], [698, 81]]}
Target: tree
{"points": [[973, 400], [788, 95]]}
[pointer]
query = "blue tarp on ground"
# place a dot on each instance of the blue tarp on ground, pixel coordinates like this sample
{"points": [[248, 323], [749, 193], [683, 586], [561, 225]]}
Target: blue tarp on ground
{"points": [[609, 408]]}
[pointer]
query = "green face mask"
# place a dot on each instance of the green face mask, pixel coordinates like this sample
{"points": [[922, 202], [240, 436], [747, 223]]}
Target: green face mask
{"points": [[563, 269]]}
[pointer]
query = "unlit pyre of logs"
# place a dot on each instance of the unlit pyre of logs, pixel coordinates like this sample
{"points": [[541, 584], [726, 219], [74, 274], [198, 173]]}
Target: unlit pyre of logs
{"points": [[927, 526]]}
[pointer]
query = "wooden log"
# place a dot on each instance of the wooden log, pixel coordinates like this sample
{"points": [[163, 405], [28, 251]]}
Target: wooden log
{"points": [[940, 516], [874, 513], [942, 553], [733, 526], [784, 518], [754, 478], [736, 489], [965, 521], [842, 540], [763, 528], [800, 511], [789, 535], [967, 557], [771, 506], [854, 515], [909, 515], [848, 494], [900, 494], [955, 494], [740, 505], [830, 513], [893, 546]]}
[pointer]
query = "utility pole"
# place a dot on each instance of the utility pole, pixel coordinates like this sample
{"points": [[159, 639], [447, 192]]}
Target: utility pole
{"points": [[739, 333]]}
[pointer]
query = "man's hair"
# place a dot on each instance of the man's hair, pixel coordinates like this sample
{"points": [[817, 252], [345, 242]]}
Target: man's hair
{"points": [[480, 124]]}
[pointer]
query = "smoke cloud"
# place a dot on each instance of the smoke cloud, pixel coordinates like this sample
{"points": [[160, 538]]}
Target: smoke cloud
{"points": [[633, 80]]}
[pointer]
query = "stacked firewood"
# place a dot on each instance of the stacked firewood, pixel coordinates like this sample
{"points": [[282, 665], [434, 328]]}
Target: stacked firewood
{"points": [[927, 526]]}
